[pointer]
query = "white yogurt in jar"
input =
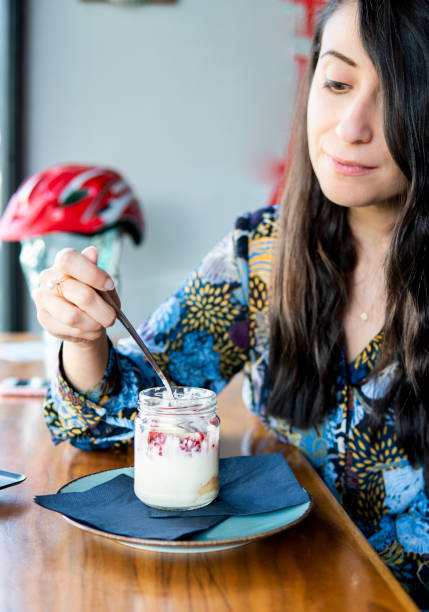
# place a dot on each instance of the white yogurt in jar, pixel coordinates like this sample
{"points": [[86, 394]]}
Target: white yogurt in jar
{"points": [[176, 469]]}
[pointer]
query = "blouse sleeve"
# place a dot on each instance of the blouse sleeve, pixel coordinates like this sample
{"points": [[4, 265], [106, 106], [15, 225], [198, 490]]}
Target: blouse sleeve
{"points": [[402, 541], [199, 337]]}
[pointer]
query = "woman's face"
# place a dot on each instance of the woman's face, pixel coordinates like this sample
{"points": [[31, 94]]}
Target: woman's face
{"points": [[346, 142]]}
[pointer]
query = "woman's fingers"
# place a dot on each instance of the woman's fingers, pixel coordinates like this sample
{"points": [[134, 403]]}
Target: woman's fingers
{"points": [[91, 253], [86, 329], [68, 302], [88, 301], [71, 263], [78, 303]]}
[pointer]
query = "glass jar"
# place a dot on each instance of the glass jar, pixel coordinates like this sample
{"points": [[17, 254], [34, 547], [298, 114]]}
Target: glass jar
{"points": [[176, 448]]}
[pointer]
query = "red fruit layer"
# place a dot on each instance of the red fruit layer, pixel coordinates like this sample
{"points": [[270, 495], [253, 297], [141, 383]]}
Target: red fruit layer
{"points": [[157, 438], [192, 443], [188, 444]]}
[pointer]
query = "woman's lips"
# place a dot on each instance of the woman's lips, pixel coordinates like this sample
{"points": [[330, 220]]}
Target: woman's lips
{"points": [[348, 167]]}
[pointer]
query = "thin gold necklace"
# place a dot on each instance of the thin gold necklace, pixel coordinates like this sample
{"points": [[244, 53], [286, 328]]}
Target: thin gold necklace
{"points": [[364, 315]]}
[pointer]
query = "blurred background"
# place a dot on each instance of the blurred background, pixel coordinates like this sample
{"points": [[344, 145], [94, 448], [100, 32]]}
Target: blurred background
{"points": [[191, 101]]}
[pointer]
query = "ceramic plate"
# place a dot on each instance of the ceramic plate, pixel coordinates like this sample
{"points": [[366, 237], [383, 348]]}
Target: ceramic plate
{"points": [[232, 532], [8, 479]]}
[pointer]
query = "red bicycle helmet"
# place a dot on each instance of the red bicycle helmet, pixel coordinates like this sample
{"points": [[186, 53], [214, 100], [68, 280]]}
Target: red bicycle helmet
{"points": [[71, 198]]}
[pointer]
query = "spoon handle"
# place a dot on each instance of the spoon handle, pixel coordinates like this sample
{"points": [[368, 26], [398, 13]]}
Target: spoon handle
{"points": [[133, 333]]}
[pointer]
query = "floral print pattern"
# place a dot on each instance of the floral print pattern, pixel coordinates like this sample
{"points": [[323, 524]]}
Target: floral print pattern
{"points": [[215, 325]]}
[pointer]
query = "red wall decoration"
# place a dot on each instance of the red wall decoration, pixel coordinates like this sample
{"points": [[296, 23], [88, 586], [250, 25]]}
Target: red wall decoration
{"points": [[305, 30]]}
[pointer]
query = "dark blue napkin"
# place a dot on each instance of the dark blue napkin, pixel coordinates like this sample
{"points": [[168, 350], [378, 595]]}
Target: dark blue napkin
{"points": [[248, 485], [114, 507]]}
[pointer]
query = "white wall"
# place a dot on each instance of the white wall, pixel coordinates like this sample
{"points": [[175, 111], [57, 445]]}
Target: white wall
{"points": [[191, 101]]}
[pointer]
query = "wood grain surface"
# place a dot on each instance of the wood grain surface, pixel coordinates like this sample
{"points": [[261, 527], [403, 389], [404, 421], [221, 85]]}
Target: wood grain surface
{"points": [[321, 564]]}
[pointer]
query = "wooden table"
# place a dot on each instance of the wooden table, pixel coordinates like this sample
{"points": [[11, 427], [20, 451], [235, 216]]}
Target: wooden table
{"points": [[46, 564]]}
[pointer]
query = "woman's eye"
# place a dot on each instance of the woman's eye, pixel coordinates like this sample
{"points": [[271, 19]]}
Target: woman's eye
{"points": [[336, 86]]}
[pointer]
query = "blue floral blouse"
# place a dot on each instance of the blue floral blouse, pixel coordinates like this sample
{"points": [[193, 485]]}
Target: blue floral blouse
{"points": [[216, 325]]}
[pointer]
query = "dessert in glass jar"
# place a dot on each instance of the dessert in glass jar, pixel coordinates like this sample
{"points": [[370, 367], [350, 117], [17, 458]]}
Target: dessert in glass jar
{"points": [[176, 448]]}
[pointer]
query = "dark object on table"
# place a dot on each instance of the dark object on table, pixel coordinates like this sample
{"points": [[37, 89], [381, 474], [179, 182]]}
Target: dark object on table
{"points": [[8, 479]]}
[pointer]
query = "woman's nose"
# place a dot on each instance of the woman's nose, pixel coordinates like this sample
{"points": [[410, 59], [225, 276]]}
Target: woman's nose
{"points": [[355, 123]]}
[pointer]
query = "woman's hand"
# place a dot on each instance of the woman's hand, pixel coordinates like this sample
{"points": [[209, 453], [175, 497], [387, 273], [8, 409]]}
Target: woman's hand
{"points": [[68, 305]]}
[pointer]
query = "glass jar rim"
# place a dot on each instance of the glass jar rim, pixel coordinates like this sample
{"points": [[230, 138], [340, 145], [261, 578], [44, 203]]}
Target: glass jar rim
{"points": [[188, 399]]}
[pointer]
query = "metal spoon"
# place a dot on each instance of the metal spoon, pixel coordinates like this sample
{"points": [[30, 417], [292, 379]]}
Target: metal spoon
{"points": [[133, 333]]}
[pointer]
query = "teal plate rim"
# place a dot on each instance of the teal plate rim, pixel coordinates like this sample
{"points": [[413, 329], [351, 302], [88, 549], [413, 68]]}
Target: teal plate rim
{"points": [[200, 540]]}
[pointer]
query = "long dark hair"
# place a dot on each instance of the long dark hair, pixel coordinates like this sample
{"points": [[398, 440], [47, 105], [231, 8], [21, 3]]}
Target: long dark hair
{"points": [[316, 253]]}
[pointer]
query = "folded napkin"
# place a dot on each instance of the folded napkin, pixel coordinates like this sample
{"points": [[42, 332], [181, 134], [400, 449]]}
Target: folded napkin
{"points": [[248, 485], [113, 507]]}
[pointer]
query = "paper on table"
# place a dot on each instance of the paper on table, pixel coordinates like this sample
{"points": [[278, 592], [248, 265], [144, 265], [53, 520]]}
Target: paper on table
{"points": [[21, 351]]}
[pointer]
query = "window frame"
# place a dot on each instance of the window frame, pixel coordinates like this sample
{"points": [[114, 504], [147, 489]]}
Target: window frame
{"points": [[12, 310]]}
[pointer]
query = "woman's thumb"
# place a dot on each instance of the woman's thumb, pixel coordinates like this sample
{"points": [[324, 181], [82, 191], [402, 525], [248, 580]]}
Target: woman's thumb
{"points": [[90, 252]]}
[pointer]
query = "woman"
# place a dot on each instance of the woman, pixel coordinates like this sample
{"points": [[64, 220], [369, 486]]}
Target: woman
{"points": [[336, 360]]}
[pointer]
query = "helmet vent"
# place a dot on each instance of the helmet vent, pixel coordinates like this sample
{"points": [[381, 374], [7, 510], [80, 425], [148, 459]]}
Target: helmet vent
{"points": [[75, 196]]}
